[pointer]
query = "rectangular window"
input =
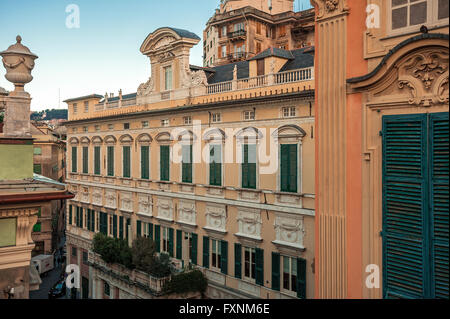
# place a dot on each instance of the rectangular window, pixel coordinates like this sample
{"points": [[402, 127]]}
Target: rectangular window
{"points": [[224, 31], [145, 162], [289, 280], [168, 78], [97, 128], [86, 107], [216, 117], [249, 263], [412, 14], [74, 159], [289, 111], [85, 257], [164, 162], [110, 160], [187, 120], [75, 108], [97, 170], [289, 168], [74, 252], [126, 126], [37, 151], [215, 165], [85, 160], [145, 124], [126, 161], [216, 253], [106, 289], [37, 168], [258, 28], [224, 51], [165, 239], [85, 129], [110, 127], [165, 123], [249, 115], [186, 166], [249, 166]]}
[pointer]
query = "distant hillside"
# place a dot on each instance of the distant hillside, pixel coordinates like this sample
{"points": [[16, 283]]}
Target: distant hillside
{"points": [[49, 115]]}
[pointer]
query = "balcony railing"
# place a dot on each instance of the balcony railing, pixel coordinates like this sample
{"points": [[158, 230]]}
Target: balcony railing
{"points": [[298, 75], [238, 33]]}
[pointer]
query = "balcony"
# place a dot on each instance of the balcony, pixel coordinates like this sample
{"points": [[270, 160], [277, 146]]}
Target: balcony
{"points": [[237, 56], [236, 35], [298, 75]]}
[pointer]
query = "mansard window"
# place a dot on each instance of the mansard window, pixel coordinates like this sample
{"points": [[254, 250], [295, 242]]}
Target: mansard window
{"points": [[74, 159], [215, 165], [110, 160], [168, 78], [97, 170], [164, 154], [414, 13], [186, 167], [249, 166], [126, 161], [145, 162], [289, 168], [85, 160]]}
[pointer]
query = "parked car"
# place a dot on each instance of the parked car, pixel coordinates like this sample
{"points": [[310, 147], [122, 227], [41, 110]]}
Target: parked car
{"points": [[58, 290]]}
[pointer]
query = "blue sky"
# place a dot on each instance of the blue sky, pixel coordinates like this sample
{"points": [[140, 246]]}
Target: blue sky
{"points": [[103, 54]]}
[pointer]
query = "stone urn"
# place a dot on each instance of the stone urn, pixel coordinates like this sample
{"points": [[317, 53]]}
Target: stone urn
{"points": [[19, 62]]}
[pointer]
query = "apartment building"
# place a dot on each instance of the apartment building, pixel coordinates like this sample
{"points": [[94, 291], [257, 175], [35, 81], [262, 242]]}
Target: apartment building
{"points": [[240, 30], [382, 148], [216, 165]]}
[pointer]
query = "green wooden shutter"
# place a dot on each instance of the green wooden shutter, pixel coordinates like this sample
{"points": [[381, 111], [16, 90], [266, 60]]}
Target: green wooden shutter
{"points": [[158, 238], [85, 160], [97, 170], [238, 261], [301, 278], [115, 226], [194, 248], [126, 162], [70, 214], [289, 168], [186, 170], [171, 240], [81, 217], [284, 168], [205, 252], [110, 160], [224, 257], [145, 162], [164, 162], [179, 254], [249, 166], [404, 206], [88, 219], [259, 266], [138, 228], [150, 231], [245, 172], [74, 159], [121, 227], [276, 271], [439, 184]]}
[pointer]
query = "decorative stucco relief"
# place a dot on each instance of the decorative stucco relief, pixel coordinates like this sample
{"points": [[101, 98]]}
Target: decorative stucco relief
{"points": [[163, 42], [85, 195], [97, 196], [249, 222], [146, 88], [328, 8], [110, 197], [165, 208], [216, 217], [289, 230], [145, 204], [126, 202], [186, 212]]}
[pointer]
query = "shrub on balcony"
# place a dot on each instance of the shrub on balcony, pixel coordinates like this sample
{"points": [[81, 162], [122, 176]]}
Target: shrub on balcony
{"points": [[112, 250], [190, 281]]}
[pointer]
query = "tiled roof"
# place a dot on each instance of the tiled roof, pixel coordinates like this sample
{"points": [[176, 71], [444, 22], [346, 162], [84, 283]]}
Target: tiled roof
{"points": [[183, 33], [274, 52], [92, 96], [303, 58], [223, 73]]}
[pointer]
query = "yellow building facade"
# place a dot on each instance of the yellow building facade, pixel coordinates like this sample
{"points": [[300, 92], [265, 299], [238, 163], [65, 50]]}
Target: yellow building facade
{"points": [[216, 165]]}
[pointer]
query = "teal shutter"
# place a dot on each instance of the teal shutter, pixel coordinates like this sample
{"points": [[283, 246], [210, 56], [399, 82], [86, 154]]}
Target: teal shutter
{"points": [[179, 254], [121, 227], [158, 238], [85, 160], [88, 219], [276, 271], [439, 151], [171, 239], [289, 168], [74, 159], [164, 162], [150, 231], [97, 166], [301, 278], [110, 160], [81, 217], [259, 265], [249, 166], [186, 169], [127, 228], [70, 214], [126, 162], [194, 248], [224, 257], [238, 261], [139, 228], [215, 165], [205, 252], [145, 162], [115, 226]]}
